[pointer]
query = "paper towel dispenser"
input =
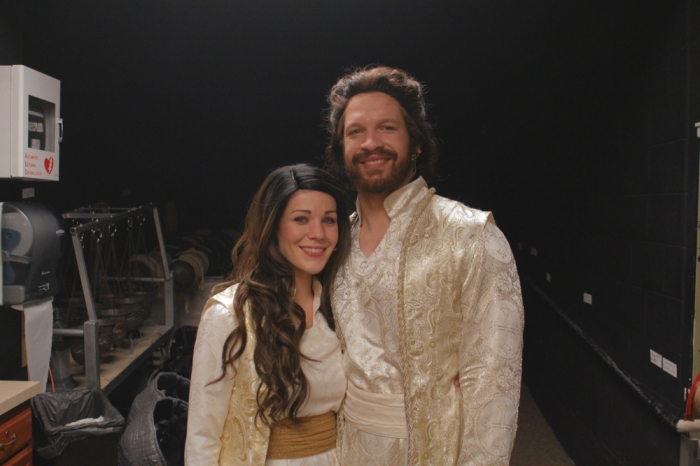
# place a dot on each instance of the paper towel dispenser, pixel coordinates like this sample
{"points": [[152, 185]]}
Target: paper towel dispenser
{"points": [[31, 237]]}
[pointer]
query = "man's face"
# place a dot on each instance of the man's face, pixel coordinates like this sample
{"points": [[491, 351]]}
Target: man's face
{"points": [[376, 143]]}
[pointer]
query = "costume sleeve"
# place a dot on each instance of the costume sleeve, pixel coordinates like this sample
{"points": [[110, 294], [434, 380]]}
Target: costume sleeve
{"points": [[490, 349], [208, 403]]}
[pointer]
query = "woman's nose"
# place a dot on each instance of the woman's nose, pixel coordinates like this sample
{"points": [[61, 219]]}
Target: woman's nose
{"points": [[316, 230]]}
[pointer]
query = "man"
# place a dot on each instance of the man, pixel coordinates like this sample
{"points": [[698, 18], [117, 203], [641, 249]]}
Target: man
{"points": [[429, 296]]}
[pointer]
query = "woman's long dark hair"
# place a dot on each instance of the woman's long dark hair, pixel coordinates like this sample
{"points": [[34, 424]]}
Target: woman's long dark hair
{"points": [[266, 285]]}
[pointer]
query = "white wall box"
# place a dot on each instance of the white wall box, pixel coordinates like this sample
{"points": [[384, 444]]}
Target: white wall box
{"points": [[30, 124]]}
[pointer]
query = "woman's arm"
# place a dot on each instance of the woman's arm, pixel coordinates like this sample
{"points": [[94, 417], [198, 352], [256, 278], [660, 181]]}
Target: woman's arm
{"points": [[208, 403]]}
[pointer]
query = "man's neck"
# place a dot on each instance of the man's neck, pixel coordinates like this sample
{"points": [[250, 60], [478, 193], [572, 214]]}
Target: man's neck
{"points": [[375, 221]]}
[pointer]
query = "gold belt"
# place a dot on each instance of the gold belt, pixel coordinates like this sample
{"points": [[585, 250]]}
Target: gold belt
{"points": [[307, 437]]}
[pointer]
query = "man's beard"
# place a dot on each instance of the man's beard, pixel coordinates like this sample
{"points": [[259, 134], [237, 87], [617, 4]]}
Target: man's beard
{"points": [[401, 172]]}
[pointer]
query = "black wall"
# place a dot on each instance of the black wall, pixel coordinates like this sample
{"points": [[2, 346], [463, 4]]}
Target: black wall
{"points": [[613, 213], [571, 121]]}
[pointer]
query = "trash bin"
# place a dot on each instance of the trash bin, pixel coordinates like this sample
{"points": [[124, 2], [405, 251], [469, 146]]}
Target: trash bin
{"points": [[63, 441]]}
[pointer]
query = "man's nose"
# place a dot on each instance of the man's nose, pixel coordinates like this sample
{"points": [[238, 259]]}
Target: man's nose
{"points": [[371, 141]]}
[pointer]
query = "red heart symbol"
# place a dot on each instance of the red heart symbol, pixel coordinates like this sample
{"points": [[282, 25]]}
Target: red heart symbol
{"points": [[48, 164]]}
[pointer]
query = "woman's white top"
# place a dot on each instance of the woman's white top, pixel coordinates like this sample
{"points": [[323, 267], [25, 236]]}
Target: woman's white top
{"points": [[208, 403]]}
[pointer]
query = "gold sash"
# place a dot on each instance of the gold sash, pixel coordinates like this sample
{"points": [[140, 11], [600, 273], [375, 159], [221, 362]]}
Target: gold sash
{"points": [[307, 437]]}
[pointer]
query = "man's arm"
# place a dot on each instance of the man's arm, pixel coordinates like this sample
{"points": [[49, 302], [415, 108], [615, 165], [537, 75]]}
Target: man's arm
{"points": [[490, 350]]}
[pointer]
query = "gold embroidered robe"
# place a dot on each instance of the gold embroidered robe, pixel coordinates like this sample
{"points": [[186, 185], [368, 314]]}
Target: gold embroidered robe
{"points": [[459, 311]]}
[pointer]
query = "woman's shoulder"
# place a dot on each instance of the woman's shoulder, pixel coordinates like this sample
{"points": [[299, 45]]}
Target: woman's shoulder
{"points": [[219, 308], [226, 294]]}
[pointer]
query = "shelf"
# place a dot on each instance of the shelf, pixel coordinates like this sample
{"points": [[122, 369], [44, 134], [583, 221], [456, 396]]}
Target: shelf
{"points": [[116, 365], [109, 371]]}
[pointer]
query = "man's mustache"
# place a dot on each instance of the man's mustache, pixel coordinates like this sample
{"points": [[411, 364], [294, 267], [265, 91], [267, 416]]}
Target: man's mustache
{"points": [[361, 156]]}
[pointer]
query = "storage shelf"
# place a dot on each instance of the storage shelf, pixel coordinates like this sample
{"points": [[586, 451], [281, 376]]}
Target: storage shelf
{"points": [[108, 371], [116, 365]]}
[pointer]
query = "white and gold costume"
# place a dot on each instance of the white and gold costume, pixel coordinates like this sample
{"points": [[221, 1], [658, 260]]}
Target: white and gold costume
{"points": [[221, 421], [439, 296]]}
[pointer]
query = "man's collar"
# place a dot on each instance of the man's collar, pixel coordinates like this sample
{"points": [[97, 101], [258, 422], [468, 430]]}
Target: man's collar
{"points": [[396, 201]]}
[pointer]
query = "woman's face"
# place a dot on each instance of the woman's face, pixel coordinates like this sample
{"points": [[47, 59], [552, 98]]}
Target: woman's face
{"points": [[308, 232]]}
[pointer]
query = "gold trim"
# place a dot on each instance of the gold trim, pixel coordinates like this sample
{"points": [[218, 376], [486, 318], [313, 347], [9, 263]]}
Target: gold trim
{"points": [[412, 457]]}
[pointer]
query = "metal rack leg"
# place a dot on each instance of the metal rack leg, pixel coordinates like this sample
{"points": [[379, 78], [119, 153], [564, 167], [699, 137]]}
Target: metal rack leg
{"points": [[92, 354]]}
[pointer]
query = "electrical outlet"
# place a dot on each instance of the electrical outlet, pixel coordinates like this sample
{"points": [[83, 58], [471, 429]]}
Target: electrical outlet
{"points": [[670, 367], [656, 358], [27, 193], [587, 298]]}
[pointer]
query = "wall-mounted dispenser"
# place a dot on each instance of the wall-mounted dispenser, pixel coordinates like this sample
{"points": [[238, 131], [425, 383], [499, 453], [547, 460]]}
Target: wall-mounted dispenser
{"points": [[31, 127], [31, 250]]}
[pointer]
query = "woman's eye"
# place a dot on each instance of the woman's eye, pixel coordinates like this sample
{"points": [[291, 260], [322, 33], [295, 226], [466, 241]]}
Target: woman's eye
{"points": [[300, 219], [329, 221]]}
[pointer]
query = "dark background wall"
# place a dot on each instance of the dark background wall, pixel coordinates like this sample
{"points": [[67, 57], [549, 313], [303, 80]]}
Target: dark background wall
{"points": [[571, 121], [619, 212]]}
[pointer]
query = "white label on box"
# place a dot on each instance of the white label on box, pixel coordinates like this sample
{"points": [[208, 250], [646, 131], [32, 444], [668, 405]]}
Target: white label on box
{"points": [[670, 367], [533, 251], [587, 298], [656, 358], [27, 192]]}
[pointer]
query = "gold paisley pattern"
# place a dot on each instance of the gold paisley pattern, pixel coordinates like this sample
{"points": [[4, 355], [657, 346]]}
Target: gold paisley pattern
{"points": [[440, 296]]}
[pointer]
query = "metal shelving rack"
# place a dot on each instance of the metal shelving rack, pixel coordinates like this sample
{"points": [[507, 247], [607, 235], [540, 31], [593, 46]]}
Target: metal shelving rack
{"points": [[98, 218]]}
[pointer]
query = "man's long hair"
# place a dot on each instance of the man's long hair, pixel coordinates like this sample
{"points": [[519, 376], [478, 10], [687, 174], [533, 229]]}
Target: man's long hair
{"points": [[266, 285], [397, 84]]}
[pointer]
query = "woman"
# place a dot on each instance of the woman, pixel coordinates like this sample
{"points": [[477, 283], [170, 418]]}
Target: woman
{"points": [[267, 374]]}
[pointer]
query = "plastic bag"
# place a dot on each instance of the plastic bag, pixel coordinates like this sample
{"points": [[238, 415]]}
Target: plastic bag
{"points": [[53, 411]]}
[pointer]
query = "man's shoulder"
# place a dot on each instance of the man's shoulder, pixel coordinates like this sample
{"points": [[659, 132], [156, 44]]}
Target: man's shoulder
{"points": [[458, 214]]}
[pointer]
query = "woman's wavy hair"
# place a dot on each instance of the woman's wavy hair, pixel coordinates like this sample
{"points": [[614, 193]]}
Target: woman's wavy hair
{"points": [[266, 286], [397, 84]]}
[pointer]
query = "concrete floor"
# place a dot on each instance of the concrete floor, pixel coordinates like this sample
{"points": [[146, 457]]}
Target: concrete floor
{"points": [[535, 443]]}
